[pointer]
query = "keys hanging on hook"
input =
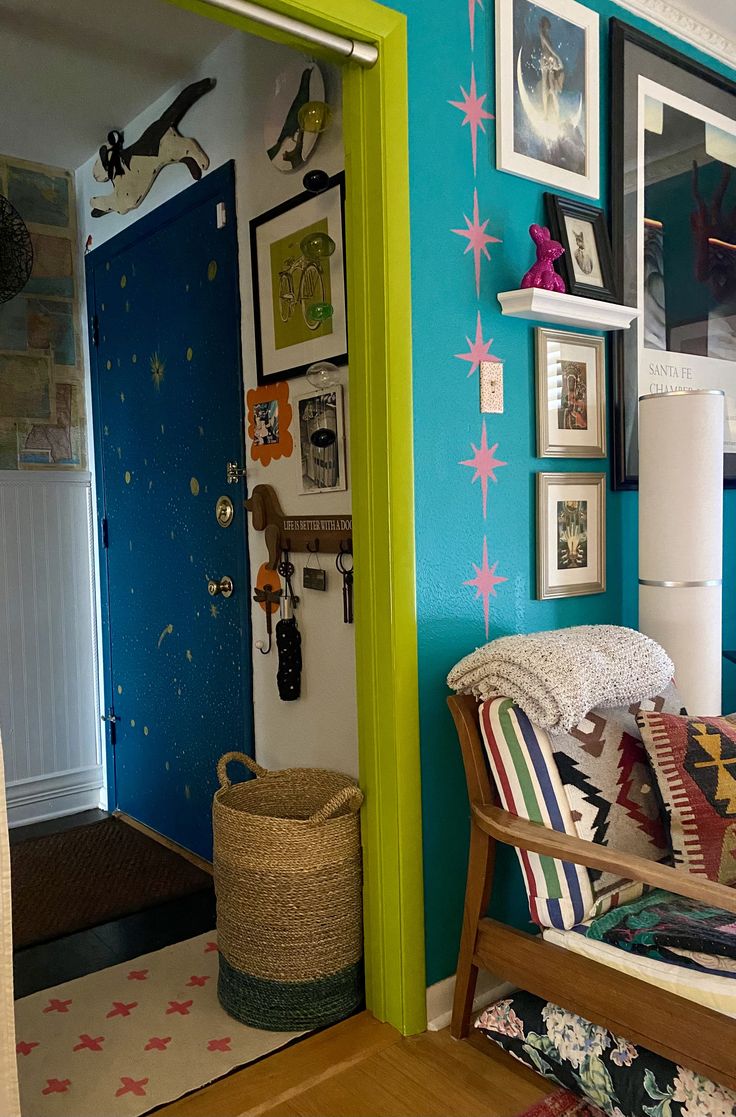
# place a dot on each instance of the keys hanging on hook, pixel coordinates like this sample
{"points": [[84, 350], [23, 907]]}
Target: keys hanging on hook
{"points": [[344, 564], [286, 570]]}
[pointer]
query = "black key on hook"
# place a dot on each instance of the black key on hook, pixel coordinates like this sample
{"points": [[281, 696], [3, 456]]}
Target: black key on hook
{"points": [[347, 585]]}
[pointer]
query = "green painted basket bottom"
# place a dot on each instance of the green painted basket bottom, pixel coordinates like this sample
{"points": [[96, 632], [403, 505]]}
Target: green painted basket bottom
{"points": [[289, 1006]]}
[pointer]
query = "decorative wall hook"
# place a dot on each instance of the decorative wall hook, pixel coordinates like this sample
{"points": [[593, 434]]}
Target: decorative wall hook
{"points": [[330, 534], [267, 596]]}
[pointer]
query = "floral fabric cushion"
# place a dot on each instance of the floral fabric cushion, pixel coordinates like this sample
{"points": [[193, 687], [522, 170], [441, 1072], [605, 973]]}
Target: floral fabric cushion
{"points": [[623, 1079], [694, 760]]}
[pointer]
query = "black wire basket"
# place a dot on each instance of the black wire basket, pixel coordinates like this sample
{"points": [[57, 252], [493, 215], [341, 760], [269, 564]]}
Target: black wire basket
{"points": [[16, 251]]}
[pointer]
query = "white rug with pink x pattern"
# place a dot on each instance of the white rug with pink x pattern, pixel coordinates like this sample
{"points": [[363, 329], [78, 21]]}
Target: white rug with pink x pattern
{"points": [[132, 1037]]}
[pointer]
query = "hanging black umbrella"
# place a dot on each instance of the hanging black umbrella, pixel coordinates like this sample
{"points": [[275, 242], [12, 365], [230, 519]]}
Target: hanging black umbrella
{"points": [[16, 251], [288, 639]]}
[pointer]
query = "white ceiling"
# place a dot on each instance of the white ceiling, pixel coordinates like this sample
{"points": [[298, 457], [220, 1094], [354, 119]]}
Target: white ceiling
{"points": [[718, 14], [72, 69]]}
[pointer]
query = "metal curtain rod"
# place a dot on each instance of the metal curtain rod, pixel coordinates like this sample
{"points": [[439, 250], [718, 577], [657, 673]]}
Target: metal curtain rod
{"points": [[365, 54]]}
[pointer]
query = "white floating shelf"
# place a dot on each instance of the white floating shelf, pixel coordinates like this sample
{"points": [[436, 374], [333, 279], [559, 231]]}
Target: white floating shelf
{"points": [[537, 305]]}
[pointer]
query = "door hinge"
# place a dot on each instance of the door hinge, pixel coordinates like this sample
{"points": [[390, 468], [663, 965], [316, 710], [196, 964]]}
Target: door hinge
{"points": [[95, 331], [221, 211], [111, 718], [105, 537]]}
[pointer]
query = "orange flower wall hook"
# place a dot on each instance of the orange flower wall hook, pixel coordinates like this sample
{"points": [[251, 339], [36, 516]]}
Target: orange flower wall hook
{"points": [[269, 419]]}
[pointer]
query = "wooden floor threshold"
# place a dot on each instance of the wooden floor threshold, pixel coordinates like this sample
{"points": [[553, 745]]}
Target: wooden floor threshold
{"points": [[363, 1068]]}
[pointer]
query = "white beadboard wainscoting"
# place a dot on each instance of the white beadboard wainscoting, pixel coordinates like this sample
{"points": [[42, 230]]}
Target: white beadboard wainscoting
{"points": [[49, 716]]}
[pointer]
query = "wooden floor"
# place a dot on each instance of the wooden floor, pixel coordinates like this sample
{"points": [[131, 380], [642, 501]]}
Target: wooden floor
{"points": [[361, 1068]]}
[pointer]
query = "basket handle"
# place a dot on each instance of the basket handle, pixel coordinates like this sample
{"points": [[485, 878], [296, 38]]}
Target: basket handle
{"points": [[251, 765], [350, 795]]}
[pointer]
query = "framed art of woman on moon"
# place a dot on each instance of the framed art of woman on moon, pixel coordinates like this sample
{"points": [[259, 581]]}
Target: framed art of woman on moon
{"points": [[547, 92]]}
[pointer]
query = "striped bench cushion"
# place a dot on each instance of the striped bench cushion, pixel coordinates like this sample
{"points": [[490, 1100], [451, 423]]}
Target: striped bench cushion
{"points": [[594, 783], [529, 786]]}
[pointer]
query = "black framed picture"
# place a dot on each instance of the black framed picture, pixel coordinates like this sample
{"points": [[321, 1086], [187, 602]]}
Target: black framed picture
{"points": [[299, 293], [587, 266], [674, 234]]}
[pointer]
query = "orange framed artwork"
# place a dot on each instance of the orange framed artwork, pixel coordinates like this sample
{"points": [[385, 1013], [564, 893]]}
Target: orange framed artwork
{"points": [[269, 419]]}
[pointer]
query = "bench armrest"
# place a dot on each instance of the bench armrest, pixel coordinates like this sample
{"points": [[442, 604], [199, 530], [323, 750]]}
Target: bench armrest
{"points": [[536, 838]]}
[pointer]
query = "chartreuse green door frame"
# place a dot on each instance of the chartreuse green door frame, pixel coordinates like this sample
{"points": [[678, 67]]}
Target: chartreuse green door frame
{"points": [[375, 123]]}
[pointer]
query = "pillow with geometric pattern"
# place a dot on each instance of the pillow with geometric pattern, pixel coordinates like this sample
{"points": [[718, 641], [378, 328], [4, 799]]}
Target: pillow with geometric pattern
{"points": [[694, 762], [609, 783]]}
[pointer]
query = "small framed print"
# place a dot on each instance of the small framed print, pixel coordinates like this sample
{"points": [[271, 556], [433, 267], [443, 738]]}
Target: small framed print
{"points": [[587, 266], [571, 534], [269, 419], [571, 395], [547, 94], [321, 441]]}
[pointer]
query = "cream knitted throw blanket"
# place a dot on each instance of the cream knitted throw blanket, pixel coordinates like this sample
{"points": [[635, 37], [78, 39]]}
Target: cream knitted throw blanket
{"points": [[558, 677]]}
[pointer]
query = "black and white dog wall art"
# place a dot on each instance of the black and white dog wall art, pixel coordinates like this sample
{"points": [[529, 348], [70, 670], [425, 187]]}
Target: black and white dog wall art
{"points": [[134, 168]]}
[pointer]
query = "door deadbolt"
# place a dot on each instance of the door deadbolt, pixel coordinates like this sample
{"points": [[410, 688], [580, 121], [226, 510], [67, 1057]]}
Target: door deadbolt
{"points": [[224, 587], [224, 511]]}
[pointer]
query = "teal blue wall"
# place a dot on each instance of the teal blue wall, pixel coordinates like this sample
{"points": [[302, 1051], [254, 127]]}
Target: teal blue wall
{"points": [[449, 522]]}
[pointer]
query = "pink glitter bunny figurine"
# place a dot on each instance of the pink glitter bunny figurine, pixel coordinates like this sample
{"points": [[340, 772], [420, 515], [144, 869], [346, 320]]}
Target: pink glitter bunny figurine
{"points": [[542, 274]]}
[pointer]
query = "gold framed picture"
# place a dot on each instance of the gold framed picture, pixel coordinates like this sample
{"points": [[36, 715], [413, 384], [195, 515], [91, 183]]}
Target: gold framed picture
{"points": [[571, 534], [571, 394]]}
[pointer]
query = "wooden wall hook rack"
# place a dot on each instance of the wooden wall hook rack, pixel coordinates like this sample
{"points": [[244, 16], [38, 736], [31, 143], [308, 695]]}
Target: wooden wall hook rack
{"points": [[323, 534]]}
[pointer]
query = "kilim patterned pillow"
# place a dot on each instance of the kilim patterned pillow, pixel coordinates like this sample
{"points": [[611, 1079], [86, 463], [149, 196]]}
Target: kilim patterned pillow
{"points": [[594, 783], [610, 787], [694, 760]]}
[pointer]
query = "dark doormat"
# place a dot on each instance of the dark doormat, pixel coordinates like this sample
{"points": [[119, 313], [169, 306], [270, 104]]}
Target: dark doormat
{"points": [[69, 881]]}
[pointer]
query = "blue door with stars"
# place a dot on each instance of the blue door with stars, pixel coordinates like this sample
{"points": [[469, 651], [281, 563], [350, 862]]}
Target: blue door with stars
{"points": [[168, 415]]}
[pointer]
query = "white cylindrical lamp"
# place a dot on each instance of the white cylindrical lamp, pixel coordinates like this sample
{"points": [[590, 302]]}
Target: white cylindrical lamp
{"points": [[681, 537]]}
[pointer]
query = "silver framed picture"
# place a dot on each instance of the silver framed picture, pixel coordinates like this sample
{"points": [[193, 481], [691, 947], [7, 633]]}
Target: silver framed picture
{"points": [[571, 534], [571, 394]]}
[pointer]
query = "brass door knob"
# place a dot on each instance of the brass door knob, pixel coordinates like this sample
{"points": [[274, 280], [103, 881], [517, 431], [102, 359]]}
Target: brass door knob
{"points": [[224, 587]]}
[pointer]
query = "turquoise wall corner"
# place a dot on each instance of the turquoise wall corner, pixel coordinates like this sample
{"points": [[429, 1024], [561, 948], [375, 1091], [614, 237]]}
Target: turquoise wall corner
{"points": [[450, 527]]}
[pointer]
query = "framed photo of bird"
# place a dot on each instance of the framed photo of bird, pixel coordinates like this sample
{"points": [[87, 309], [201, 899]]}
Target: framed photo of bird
{"points": [[547, 93]]}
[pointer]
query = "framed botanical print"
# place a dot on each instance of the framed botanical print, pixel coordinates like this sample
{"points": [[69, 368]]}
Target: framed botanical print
{"points": [[571, 394], [547, 97], [571, 534], [269, 419], [674, 230], [587, 266], [299, 301], [321, 434]]}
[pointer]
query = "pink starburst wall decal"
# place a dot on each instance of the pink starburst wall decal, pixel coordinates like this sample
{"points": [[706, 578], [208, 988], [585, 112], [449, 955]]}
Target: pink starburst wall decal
{"points": [[485, 581], [472, 4], [478, 349], [485, 463], [478, 238], [475, 114]]}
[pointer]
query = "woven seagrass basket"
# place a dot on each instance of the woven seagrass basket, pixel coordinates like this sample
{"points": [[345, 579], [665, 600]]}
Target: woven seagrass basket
{"points": [[288, 879]]}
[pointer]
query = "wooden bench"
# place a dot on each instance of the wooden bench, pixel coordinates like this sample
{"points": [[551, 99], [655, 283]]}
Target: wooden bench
{"points": [[680, 1030]]}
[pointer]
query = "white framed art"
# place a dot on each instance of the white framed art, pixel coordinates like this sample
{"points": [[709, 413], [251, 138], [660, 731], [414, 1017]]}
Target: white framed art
{"points": [[321, 435], [547, 93]]}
